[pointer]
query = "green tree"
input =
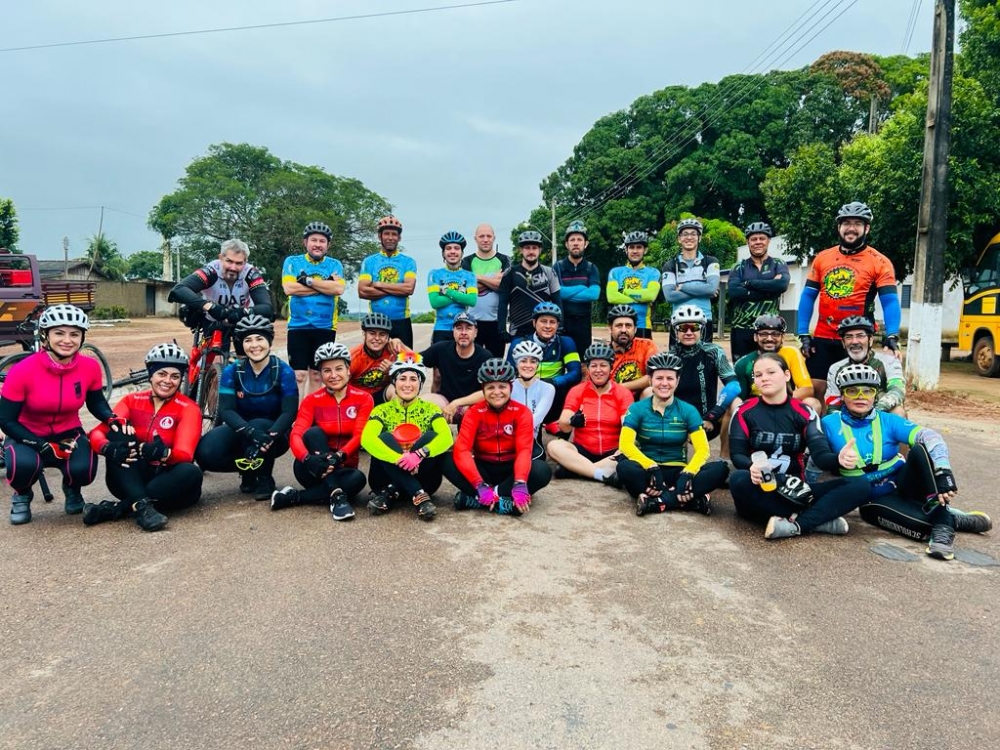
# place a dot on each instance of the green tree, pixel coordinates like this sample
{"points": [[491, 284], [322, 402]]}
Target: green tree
{"points": [[145, 264], [9, 231], [103, 254], [980, 42]]}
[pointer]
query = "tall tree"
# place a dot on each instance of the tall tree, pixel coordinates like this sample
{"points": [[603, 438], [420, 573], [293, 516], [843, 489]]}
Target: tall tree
{"points": [[145, 264], [103, 254], [9, 232]]}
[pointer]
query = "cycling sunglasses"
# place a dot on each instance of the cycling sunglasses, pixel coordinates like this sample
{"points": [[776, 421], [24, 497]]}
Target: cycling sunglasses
{"points": [[860, 391], [688, 328], [249, 464]]}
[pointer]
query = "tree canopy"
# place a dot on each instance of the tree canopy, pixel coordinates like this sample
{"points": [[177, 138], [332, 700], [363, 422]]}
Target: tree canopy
{"points": [[9, 233]]}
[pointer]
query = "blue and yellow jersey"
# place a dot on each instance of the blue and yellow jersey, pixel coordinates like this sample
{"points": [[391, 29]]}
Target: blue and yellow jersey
{"points": [[451, 293], [637, 286], [315, 310], [390, 269]]}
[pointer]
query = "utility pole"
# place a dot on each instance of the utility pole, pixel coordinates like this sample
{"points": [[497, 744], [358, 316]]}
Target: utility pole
{"points": [[923, 356], [168, 266], [553, 231], [65, 257]]}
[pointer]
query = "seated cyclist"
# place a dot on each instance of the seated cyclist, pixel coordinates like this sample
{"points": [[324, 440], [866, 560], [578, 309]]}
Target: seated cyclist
{"points": [[491, 465], [150, 466], [768, 337], [40, 412], [593, 412], [858, 332], [654, 467], [909, 496], [531, 390], [326, 438], [225, 290], [258, 398], [560, 363], [372, 358], [631, 351]]}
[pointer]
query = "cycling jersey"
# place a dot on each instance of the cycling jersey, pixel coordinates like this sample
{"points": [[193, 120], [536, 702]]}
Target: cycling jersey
{"points": [[704, 366], [365, 371], [390, 415], [888, 367], [450, 292], [254, 396], [537, 396], [847, 285], [637, 286], [313, 310], [579, 286], [494, 436], [51, 395], [520, 290], [177, 423], [754, 291], [391, 269], [650, 438], [207, 284], [630, 364], [793, 358], [698, 279], [560, 363], [486, 305], [341, 422], [784, 432], [603, 412]]}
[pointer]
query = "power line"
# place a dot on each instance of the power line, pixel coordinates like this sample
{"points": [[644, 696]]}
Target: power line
{"points": [[82, 208], [281, 24], [911, 25]]}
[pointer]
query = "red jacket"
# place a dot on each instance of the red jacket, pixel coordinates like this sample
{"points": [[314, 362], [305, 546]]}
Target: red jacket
{"points": [[497, 437], [178, 423], [341, 422]]}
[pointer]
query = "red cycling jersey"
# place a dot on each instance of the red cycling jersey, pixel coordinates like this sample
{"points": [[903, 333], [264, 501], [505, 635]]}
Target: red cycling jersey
{"points": [[604, 413], [847, 285], [51, 394], [496, 437], [341, 421], [630, 364], [177, 423], [365, 371]]}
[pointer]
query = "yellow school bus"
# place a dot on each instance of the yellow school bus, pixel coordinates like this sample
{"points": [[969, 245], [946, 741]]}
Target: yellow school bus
{"points": [[979, 326]]}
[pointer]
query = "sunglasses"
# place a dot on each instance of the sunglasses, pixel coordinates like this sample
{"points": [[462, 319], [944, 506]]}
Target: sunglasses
{"points": [[249, 464], [688, 328], [860, 391]]}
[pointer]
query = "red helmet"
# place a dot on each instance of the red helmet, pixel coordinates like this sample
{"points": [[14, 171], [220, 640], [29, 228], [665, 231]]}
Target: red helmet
{"points": [[389, 222]]}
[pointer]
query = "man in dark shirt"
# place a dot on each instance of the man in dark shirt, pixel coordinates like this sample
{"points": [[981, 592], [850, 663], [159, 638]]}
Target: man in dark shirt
{"points": [[523, 286], [580, 286], [458, 363]]}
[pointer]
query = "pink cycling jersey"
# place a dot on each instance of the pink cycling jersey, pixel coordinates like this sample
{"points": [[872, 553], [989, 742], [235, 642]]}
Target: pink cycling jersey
{"points": [[52, 394]]}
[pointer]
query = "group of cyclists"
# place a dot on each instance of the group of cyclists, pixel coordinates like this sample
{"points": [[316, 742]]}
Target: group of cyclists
{"points": [[518, 385]]}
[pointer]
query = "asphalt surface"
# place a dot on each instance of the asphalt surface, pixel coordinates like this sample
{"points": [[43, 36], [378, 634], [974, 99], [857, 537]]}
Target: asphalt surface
{"points": [[579, 625]]}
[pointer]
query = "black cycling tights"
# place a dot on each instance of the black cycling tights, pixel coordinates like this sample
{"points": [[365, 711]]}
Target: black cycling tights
{"points": [[170, 486], [497, 474], [635, 479], [831, 500], [219, 449], [24, 465]]}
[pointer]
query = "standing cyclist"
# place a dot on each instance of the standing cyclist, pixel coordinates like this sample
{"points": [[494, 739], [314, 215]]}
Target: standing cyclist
{"points": [[691, 278], [388, 278], [635, 284], [580, 286], [524, 286], [451, 289], [754, 288]]}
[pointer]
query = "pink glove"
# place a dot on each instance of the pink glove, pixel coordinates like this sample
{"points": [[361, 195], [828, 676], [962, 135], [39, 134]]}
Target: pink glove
{"points": [[487, 495], [520, 495], [409, 461]]}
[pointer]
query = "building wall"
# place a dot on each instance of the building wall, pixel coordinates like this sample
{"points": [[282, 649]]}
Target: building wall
{"points": [[132, 295]]}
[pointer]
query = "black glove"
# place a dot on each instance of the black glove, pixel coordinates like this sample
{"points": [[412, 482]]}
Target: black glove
{"points": [[505, 336], [44, 448], [258, 438], [684, 482], [154, 450], [714, 415], [892, 342], [795, 490], [116, 451], [945, 480], [806, 344], [654, 476], [303, 279], [217, 313], [234, 315], [336, 458], [578, 419], [316, 464]]}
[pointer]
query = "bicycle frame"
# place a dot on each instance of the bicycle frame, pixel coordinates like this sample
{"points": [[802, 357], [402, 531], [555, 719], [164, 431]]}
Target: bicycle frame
{"points": [[204, 351]]}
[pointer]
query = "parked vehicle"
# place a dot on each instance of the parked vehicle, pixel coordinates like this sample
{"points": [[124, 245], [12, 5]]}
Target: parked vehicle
{"points": [[979, 325]]}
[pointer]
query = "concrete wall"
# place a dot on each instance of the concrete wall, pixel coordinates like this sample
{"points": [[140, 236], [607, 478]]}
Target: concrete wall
{"points": [[132, 295]]}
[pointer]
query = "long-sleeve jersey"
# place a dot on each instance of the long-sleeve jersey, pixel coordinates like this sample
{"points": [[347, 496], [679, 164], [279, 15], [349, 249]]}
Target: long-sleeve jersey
{"points": [[341, 421], [579, 286], [560, 363], [520, 290], [754, 291], [649, 437], [245, 395], [450, 292], [784, 432], [537, 396], [637, 286], [889, 369], [207, 285], [177, 422], [603, 412], [698, 279], [495, 436], [435, 432], [705, 364]]}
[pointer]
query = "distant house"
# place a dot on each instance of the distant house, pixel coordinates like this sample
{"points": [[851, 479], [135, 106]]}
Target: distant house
{"points": [[139, 298], [75, 269]]}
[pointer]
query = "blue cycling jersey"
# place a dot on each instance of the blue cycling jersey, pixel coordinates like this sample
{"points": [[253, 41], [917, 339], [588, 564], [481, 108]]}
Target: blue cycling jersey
{"points": [[441, 280], [259, 396], [391, 269], [877, 439], [315, 310], [635, 282]]}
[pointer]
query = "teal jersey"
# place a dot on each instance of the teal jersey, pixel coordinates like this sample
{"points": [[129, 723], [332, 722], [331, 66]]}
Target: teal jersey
{"points": [[391, 269], [663, 438], [316, 310], [633, 283], [442, 281]]}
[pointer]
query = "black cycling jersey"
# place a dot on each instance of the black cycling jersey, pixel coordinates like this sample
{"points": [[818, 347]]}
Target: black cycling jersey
{"points": [[705, 364], [783, 431]]}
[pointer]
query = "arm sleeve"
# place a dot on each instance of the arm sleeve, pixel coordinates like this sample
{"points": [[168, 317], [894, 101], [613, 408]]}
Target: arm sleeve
{"points": [[890, 308], [442, 440], [935, 445], [98, 405], [806, 304], [571, 363], [819, 448], [377, 448], [10, 411], [705, 288], [674, 296], [467, 298], [629, 449], [614, 296], [188, 290], [699, 441], [729, 393], [260, 297], [648, 293]]}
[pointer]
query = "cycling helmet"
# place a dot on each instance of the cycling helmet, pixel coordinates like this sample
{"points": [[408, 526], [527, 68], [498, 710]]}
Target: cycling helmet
{"points": [[376, 321], [166, 355], [63, 315], [547, 308], [856, 374], [769, 323], [599, 350], [637, 238], [690, 224], [452, 237], [496, 370], [530, 237], [856, 323], [687, 314], [527, 348], [254, 324], [758, 227], [663, 361], [389, 222], [622, 311], [855, 210], [332, 350], [317, 227], [408, 362], [575, 227]]}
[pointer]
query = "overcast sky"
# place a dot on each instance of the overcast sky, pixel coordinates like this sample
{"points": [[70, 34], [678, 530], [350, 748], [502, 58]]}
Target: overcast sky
{"points": [[454, 116]]}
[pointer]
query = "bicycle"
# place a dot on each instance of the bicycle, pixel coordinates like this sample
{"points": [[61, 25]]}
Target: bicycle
{"points": [[209, 353]]}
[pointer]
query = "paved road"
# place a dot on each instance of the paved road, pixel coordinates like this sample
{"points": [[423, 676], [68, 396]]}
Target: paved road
{"points": [[577, 626]]}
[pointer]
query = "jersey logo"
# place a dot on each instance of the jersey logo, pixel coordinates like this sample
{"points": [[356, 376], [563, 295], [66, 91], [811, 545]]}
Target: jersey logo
{"points": [[508, 429], [351, 412], [628, 372], [371, 379], [389, 274], [839, 282], [632, 284], [167, 423]]}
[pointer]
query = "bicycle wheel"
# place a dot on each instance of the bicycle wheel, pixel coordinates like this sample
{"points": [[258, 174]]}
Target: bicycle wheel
{"points": [[89, 350], [208, 395], [9, 361]]}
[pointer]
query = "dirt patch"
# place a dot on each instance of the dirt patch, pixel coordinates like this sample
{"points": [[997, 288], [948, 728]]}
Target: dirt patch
{"points": [[954, 404]]}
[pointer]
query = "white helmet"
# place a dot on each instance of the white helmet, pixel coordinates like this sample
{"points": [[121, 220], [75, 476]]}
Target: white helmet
{"points": [[408, 361], [687, 314], [63, 315], [526, 348], [332, 350], [166, 355]]}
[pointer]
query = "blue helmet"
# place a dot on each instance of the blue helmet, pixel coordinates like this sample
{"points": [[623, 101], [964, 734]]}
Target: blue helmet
{"points": [[452, 237], [547, 308]]}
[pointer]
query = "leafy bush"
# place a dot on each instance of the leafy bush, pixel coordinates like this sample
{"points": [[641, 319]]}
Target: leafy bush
{"points": [[115, 312]]}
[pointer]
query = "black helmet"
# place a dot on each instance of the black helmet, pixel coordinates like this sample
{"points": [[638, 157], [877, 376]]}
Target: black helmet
{"points": [[855, 210], [254, 324], [622, 311], [663, 361], [690, 224], [856, 323], [636, 238], [758, 227], [530, 237], [376, 321], [317, 227], [770, 323], [599, 350], [496, 370], [452, 238]]}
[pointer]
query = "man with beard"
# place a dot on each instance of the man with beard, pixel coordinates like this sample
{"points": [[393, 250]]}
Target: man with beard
{"points": [[845, 278], [631, 353], [458, 362], [452, 289], [857, 333], [489, 267], [388, 278], [560, 363], [637, 286], [371, 359], [524, 286], [755, 286], [768, 336], [580, 286]]}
